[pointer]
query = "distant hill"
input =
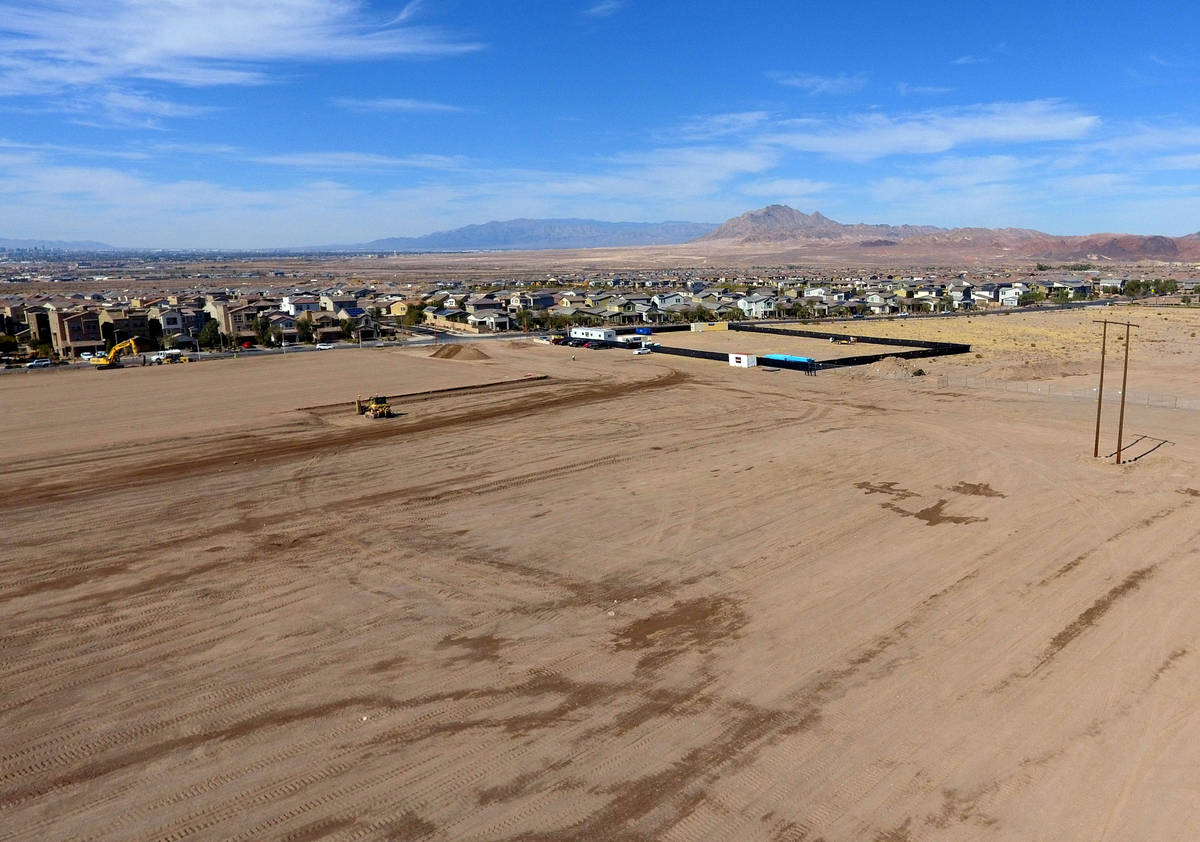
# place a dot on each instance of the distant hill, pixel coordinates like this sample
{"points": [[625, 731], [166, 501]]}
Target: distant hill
{"points": [[784, 226], [56, 245], [776, 223], [538, 234]]}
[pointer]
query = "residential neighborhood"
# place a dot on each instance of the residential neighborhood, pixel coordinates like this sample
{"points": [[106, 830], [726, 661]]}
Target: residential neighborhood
{"points": [[277, 308]]}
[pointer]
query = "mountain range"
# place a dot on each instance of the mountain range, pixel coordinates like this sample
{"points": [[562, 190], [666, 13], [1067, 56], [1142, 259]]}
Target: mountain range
{"points": [[781, 225], [55, 245], [774, 233], [780, 230], [538, 234]]}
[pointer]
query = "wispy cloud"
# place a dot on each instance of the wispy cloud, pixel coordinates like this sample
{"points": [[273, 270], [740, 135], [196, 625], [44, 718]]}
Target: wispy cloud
{"points": [[970, 60], [359, 161], [393, 104], [865, 137], [605, 8], [1176, 162], [784, 188], [55, 44], [905, 89], [822, 85], [720, 125]]}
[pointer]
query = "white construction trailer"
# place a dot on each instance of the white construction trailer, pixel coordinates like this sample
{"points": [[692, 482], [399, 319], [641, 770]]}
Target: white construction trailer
{"points": [[593, 334]]}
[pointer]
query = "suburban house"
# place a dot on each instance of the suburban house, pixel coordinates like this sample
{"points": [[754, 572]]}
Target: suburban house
{"points": [[758, 306], [495, 320], [73, 332]]}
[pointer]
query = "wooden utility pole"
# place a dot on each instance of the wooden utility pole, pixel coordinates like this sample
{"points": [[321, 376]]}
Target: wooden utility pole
{"points": [[1100, 394], [1124, 382]]}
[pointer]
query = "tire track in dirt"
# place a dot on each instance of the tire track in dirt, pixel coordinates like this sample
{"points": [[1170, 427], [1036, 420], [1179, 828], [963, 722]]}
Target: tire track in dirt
{"points": [[271, 449], [216, 701], [157, 641]]}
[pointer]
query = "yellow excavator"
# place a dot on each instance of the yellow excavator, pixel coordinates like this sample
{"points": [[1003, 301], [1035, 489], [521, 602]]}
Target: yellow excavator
{"points": [[376, 406], [113, 358]]}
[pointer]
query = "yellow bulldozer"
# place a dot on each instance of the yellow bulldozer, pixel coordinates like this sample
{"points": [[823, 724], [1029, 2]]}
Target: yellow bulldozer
{"points": [[376, 406], [113, 358]]}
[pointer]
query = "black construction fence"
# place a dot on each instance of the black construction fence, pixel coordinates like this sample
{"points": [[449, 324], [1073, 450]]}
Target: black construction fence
{"points": [[919, 348]]}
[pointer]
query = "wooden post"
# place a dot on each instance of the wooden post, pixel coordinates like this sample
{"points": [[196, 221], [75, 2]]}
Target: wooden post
{"points": [[1124, 379], [1100, 393], [1124, 382]]}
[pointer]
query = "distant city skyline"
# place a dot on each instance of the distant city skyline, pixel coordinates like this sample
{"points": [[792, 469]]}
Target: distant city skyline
{"points": [[277, 123]]}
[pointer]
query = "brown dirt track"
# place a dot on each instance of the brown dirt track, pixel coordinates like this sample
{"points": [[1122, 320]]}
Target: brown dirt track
{"points": [[643, 598]]}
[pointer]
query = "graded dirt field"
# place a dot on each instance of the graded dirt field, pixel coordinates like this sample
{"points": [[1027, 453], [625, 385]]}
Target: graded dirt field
{"points": [[616, 597], [760, 344]]}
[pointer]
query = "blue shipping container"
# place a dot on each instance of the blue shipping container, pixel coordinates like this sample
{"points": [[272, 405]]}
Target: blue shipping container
{"points": [[789, 358], [644, 331]]}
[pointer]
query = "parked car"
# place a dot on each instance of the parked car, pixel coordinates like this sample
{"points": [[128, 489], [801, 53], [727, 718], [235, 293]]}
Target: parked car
{"points": [[86, 355], [642, 351], [324, 346], [40, 363]]}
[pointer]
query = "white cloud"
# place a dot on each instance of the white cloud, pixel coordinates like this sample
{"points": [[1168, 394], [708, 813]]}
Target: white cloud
{"points": [[784, 188], [905, 89], [819, 85], [393, 104], [1176, 162], [719, 125], [55, 44], [605, 8], [969, 60], [359, 161], [865, 137]]}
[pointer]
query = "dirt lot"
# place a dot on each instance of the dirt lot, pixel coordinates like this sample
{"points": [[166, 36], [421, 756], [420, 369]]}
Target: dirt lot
{"points": [[645, 597], [745, 342]]}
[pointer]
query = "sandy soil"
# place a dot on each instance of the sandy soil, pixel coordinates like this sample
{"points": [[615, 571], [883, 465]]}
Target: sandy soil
{"points": [[642, 598], [745, 342]]}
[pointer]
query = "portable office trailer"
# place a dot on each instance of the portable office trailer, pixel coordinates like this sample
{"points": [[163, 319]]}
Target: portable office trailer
{"points": [[594, 334], [743, 360]]}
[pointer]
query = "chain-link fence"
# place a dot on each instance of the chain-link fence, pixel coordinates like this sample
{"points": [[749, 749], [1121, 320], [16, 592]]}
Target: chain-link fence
{"points": [[1066, 391]]}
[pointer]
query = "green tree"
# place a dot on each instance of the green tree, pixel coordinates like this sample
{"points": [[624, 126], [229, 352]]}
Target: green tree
{"points": [[262, 330], [414, 314], [525, 318], [210, 334], [348, 327], [1166, 287], [304, 329], [8, 343]]}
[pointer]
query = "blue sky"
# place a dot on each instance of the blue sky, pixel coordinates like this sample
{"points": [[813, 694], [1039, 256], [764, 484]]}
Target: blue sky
{"points": [[253, 123]]}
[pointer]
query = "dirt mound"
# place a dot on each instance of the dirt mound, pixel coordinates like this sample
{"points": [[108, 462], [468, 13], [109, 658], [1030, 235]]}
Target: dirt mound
{"points": [[459, 352], [889, 368]]}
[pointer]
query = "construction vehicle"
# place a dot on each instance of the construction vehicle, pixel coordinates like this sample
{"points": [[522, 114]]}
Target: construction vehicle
{"points": [[113, 358], [376, 406]]}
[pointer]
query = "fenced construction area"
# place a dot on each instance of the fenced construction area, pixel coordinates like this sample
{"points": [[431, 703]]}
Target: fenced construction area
{"points": [[783, 345], [574, 594]]}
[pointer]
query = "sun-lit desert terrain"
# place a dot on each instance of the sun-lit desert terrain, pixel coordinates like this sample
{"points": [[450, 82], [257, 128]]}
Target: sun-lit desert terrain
{"points": [[609, 596]]}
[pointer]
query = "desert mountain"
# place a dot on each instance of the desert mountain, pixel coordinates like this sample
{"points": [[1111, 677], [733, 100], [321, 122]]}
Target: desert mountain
{"points": [[782, 225], [776, 223], [537, 234], [55, 245]]}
